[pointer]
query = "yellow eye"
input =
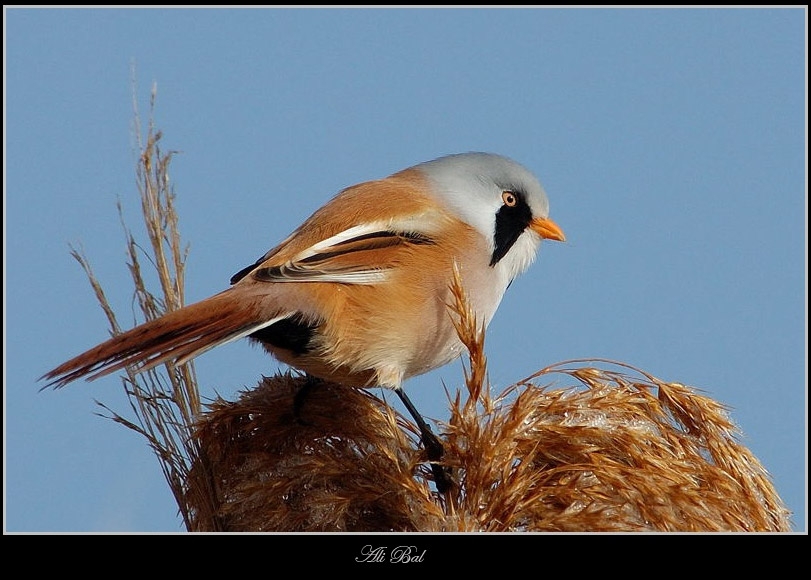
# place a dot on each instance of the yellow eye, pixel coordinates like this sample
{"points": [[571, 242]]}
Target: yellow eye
{"points": [[509, 198]]}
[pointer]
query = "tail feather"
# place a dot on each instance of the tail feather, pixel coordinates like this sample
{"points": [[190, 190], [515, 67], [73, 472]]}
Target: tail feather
{"points": [[182, 335]]}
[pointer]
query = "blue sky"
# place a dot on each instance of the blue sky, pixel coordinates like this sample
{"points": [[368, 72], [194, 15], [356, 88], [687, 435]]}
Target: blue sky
{"points": [[672, 144]]}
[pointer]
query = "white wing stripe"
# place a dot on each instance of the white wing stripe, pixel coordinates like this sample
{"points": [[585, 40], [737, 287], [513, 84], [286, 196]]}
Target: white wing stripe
{"points": [[339, 238]]}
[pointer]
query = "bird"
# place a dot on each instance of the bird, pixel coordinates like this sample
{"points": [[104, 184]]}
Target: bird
{"points": [[358, 294]]}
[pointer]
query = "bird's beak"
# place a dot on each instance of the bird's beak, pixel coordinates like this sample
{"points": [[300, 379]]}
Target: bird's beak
{"points": [[547, 229]]}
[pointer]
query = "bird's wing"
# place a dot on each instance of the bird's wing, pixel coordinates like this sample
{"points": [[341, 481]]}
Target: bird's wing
{"points": [[357, 236], [362, 254]]}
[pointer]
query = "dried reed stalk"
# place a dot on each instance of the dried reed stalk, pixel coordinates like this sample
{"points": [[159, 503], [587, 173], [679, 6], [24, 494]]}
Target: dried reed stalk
{"points": [[618, 450], [165, 401]]}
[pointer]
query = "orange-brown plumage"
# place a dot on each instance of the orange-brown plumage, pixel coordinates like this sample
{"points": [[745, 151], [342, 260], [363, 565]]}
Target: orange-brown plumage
{"points": [[358, 294], [173, 336]]}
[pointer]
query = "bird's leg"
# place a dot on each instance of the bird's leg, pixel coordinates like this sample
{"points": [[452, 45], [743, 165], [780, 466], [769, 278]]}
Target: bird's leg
{"points": [[433, 447], [310, 382]]}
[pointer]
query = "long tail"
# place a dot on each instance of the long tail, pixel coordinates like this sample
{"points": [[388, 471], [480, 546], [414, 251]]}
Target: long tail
{"points": [[181, 335]]}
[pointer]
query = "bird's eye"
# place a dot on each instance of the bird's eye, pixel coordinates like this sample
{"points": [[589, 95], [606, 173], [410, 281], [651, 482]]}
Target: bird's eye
{"points": [[509, 198]]}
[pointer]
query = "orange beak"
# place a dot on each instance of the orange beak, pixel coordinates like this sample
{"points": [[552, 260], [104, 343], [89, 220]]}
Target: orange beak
{"points": [[547, 229]]}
